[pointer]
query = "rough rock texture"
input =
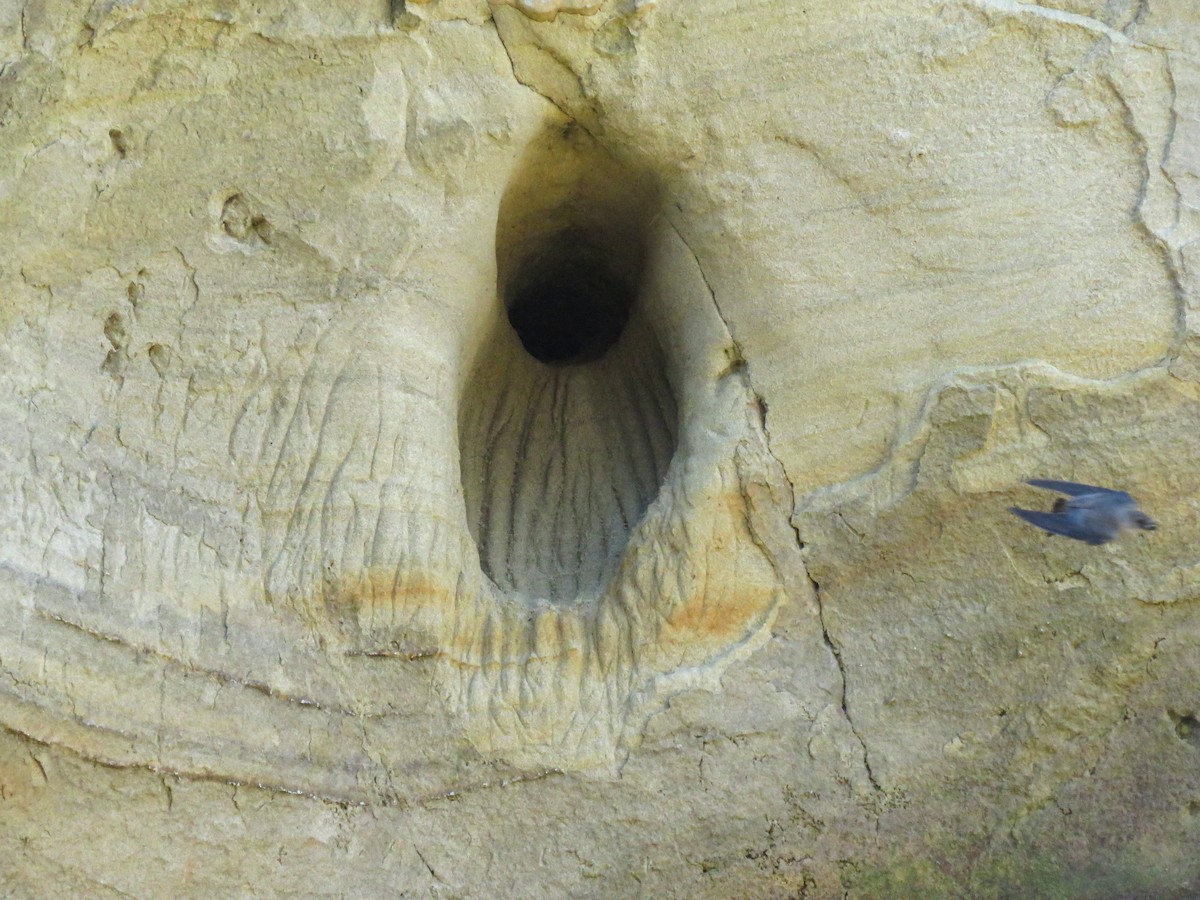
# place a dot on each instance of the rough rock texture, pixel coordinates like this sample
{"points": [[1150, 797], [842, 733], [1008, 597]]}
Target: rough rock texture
{"points": [[563, 448]]}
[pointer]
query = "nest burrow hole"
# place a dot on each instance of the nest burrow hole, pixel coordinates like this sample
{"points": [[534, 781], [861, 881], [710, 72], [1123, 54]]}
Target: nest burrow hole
{"points": [[568, 421]]}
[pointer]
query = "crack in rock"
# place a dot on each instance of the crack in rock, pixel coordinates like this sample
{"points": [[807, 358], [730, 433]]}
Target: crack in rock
{"points": [[741, 362]]}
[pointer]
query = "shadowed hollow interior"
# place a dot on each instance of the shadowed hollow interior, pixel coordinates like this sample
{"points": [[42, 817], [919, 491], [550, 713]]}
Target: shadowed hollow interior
{"points": [[568, 422], [569, 306]]}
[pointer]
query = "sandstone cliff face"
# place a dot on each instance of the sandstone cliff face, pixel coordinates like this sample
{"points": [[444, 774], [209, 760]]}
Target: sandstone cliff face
{"points": [[340, 557]]}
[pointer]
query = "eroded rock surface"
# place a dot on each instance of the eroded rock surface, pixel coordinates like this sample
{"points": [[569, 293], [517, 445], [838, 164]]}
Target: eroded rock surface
{"points": [[462, 448]]}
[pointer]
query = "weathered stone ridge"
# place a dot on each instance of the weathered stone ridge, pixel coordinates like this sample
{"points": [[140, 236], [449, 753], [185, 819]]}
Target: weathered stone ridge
{"points": [[564, 448]]}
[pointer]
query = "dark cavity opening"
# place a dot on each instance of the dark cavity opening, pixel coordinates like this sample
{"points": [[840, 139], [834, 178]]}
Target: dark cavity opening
{"points": [[567, 419], [569, 307]]}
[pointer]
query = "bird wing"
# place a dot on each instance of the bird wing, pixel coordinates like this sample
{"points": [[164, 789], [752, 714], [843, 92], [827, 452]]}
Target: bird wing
{"points": [[1072, 488], [1110, 502], [1059, 524]]}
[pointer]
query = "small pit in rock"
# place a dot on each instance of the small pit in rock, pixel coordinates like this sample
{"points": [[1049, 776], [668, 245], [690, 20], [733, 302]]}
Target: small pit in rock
{"points": [[1187, 727]]}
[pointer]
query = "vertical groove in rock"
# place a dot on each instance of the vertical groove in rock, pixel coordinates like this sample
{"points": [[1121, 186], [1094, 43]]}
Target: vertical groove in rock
{"points": [[560, 462]]}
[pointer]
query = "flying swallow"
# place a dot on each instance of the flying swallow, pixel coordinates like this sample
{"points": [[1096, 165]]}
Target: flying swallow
{"points": [[1093, 514]]}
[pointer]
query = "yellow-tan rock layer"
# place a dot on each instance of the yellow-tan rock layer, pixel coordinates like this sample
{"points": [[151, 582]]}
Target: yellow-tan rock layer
{"points": [[314, 572]]}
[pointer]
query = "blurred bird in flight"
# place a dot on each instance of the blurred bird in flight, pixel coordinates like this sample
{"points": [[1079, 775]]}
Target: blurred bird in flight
{"points": [[1095, 515]]}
